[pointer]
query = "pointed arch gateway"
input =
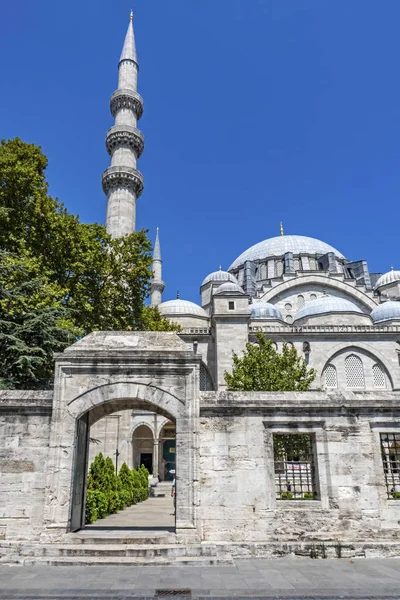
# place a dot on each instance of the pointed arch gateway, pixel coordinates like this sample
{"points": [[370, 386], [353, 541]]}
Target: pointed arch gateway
{"points": [[164, 380]]}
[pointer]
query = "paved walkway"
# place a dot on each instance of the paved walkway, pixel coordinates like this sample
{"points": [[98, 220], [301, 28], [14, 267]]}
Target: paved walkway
{"points": [[152, 514], [280, 578]]}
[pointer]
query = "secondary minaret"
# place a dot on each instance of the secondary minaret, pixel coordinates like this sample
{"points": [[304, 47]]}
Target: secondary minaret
{"points": [[122, 182], [157, 285]]}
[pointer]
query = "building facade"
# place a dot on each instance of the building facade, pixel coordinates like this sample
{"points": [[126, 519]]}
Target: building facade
{"points": [[255, 473]]}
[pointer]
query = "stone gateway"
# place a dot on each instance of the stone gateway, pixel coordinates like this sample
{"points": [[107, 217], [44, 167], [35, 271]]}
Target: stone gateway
{"points": [[261, 473]]}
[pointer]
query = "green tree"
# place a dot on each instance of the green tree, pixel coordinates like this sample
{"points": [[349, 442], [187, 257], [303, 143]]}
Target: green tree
{"points": [[263, 368], [101, 283]]}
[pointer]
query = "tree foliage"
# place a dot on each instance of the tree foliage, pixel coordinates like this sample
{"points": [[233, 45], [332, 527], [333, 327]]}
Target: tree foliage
{"points": [[263, 368], [75, 273]]}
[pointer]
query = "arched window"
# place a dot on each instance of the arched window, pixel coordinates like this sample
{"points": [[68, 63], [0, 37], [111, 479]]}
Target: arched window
{"points": [[354, 372], [379, 377], [279, 268], [330, 377], [289, 319], [206, 384], [296, 264], [300, 301], [313, 264]]}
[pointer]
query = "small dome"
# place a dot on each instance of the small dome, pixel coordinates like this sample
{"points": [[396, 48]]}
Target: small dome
{"points": [[181, 307], [229, 289], [327, 304], [387, 278], [278, 246], [264, 310], [386, 311], [219, 277]]}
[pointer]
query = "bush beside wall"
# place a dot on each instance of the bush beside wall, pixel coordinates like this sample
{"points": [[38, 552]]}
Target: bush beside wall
{"points": [[107, 493]]}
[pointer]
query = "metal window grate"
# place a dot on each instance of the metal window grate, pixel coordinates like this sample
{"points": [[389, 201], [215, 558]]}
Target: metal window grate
{"points": [[294, 467], [390, 449], [379, 377], [354, 372], [330, 377], [279, 268], [206, 384]]}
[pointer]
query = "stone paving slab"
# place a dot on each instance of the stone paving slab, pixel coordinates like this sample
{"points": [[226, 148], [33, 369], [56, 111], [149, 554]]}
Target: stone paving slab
{"points": [[152, 514], [248, 578]]}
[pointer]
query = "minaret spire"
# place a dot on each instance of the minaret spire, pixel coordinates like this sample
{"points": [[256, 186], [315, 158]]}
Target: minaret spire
{"points": [[122, 182], [157, 285]]}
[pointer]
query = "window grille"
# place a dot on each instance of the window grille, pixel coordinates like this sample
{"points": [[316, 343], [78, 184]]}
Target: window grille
{"points": [[294, 467], [296, 264], [379, 377], [330, 377], [206, 384], [354, 372], [289, 319], [390, 449], [313, 296], [263, 271], [300, 301], [288, 306], [279, 268]]}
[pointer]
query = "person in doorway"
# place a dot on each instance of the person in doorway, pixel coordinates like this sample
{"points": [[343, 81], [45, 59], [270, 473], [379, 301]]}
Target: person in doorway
{"points": [[173, 494]]}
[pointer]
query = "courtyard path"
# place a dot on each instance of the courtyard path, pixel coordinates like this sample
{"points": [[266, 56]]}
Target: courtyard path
{"points": [[152, 514]]}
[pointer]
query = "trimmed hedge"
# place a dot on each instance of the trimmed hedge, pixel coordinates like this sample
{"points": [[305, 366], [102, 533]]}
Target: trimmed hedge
{"points": [[107, 493]]}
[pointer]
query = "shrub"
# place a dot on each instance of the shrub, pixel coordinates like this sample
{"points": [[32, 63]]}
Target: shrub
{"points": [[91, 507], [114, 502], [101, 504], [286, 495], [308, 496], [396, 495]]}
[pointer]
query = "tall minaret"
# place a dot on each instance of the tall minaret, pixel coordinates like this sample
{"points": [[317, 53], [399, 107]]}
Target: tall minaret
{"points": [[122, 182], [157, 285]]}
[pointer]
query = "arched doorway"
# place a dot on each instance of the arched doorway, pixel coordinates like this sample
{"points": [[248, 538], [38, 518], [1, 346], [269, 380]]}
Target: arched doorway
{"points": [[143, 448]]}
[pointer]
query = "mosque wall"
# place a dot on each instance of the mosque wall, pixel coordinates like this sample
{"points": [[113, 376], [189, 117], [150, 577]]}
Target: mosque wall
{"points": [[238, 480]]}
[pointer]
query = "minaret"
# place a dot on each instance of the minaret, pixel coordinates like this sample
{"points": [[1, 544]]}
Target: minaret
{"points": [[122, 182], [157, 285]]}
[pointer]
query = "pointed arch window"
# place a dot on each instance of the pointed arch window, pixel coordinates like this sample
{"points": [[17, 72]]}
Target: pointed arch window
{"points": [[354, 372], [330, 377], [379, 377]]}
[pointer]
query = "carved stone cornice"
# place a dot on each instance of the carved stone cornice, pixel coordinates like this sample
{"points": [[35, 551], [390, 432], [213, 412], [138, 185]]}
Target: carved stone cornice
{"points": [[123, 135], [123, 177], [126, 99]]}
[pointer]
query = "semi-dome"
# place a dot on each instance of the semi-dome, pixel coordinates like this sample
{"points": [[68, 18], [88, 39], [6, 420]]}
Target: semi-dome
{"points": [[229, 289], [219, 277], [387, 278], [181, 307], [327, 304], [386, 311], [278, 246], [264, 310]]}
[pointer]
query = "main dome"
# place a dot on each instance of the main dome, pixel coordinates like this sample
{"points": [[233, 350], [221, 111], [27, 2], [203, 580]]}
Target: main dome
{"points": [[279, 245]]}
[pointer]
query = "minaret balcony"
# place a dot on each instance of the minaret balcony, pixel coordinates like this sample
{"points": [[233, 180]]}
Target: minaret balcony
{"points": [[125, 136], [126, 99], [123, 177], [157, 285]]}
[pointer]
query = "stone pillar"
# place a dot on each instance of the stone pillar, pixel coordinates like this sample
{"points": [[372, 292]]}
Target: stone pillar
{"points": [[155, 457]]}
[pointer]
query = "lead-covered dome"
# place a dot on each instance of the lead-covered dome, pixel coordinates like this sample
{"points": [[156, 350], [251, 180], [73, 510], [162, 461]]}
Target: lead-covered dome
{"points": [[181, 307], [264, 310], [229, 289], [327, 304], [278, 246], [387, 311], [387, 278], [219, 277]]}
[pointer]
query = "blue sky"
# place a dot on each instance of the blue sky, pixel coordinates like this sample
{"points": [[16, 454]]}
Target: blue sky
{"points": [[256, 111]]}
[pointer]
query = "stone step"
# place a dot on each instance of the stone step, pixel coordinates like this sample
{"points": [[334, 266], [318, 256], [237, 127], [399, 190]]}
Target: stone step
{"points": [[88, 561], [116, 550], [113, 538]]}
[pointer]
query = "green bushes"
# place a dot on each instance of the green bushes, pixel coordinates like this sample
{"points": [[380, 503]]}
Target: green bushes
{"points": [[107, 493]]}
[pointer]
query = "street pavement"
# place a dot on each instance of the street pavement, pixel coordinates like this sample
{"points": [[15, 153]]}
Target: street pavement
{"points": [[246, 578]]}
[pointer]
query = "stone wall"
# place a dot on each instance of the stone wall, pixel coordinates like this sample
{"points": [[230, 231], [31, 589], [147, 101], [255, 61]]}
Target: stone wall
{"points": [[24, 440], [237, 482]]}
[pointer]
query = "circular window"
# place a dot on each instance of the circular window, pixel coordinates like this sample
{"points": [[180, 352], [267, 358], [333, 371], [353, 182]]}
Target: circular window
{"points": [[289, 319], [288, 306], [313, 296]]}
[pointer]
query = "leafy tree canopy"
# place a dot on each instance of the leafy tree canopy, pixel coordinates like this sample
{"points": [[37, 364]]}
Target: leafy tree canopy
{"points": [[70, 278], [263, 368]]}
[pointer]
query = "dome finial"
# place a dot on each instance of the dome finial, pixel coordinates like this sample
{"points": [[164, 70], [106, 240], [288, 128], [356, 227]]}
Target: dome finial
{"points": [[220, 267], [178, 295], [391, 268], [131, 16], [281, 228]]}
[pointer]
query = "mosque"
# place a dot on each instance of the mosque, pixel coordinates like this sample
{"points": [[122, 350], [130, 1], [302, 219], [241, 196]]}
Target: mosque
{"points": [[298, 290], [257, 473]]}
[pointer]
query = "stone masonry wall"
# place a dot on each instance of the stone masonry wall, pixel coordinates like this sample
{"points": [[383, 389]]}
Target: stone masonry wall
{"points": [[24, 440]]}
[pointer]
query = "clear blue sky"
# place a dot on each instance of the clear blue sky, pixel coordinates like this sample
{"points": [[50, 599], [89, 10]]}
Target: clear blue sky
{"points": [[256, 111]]}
